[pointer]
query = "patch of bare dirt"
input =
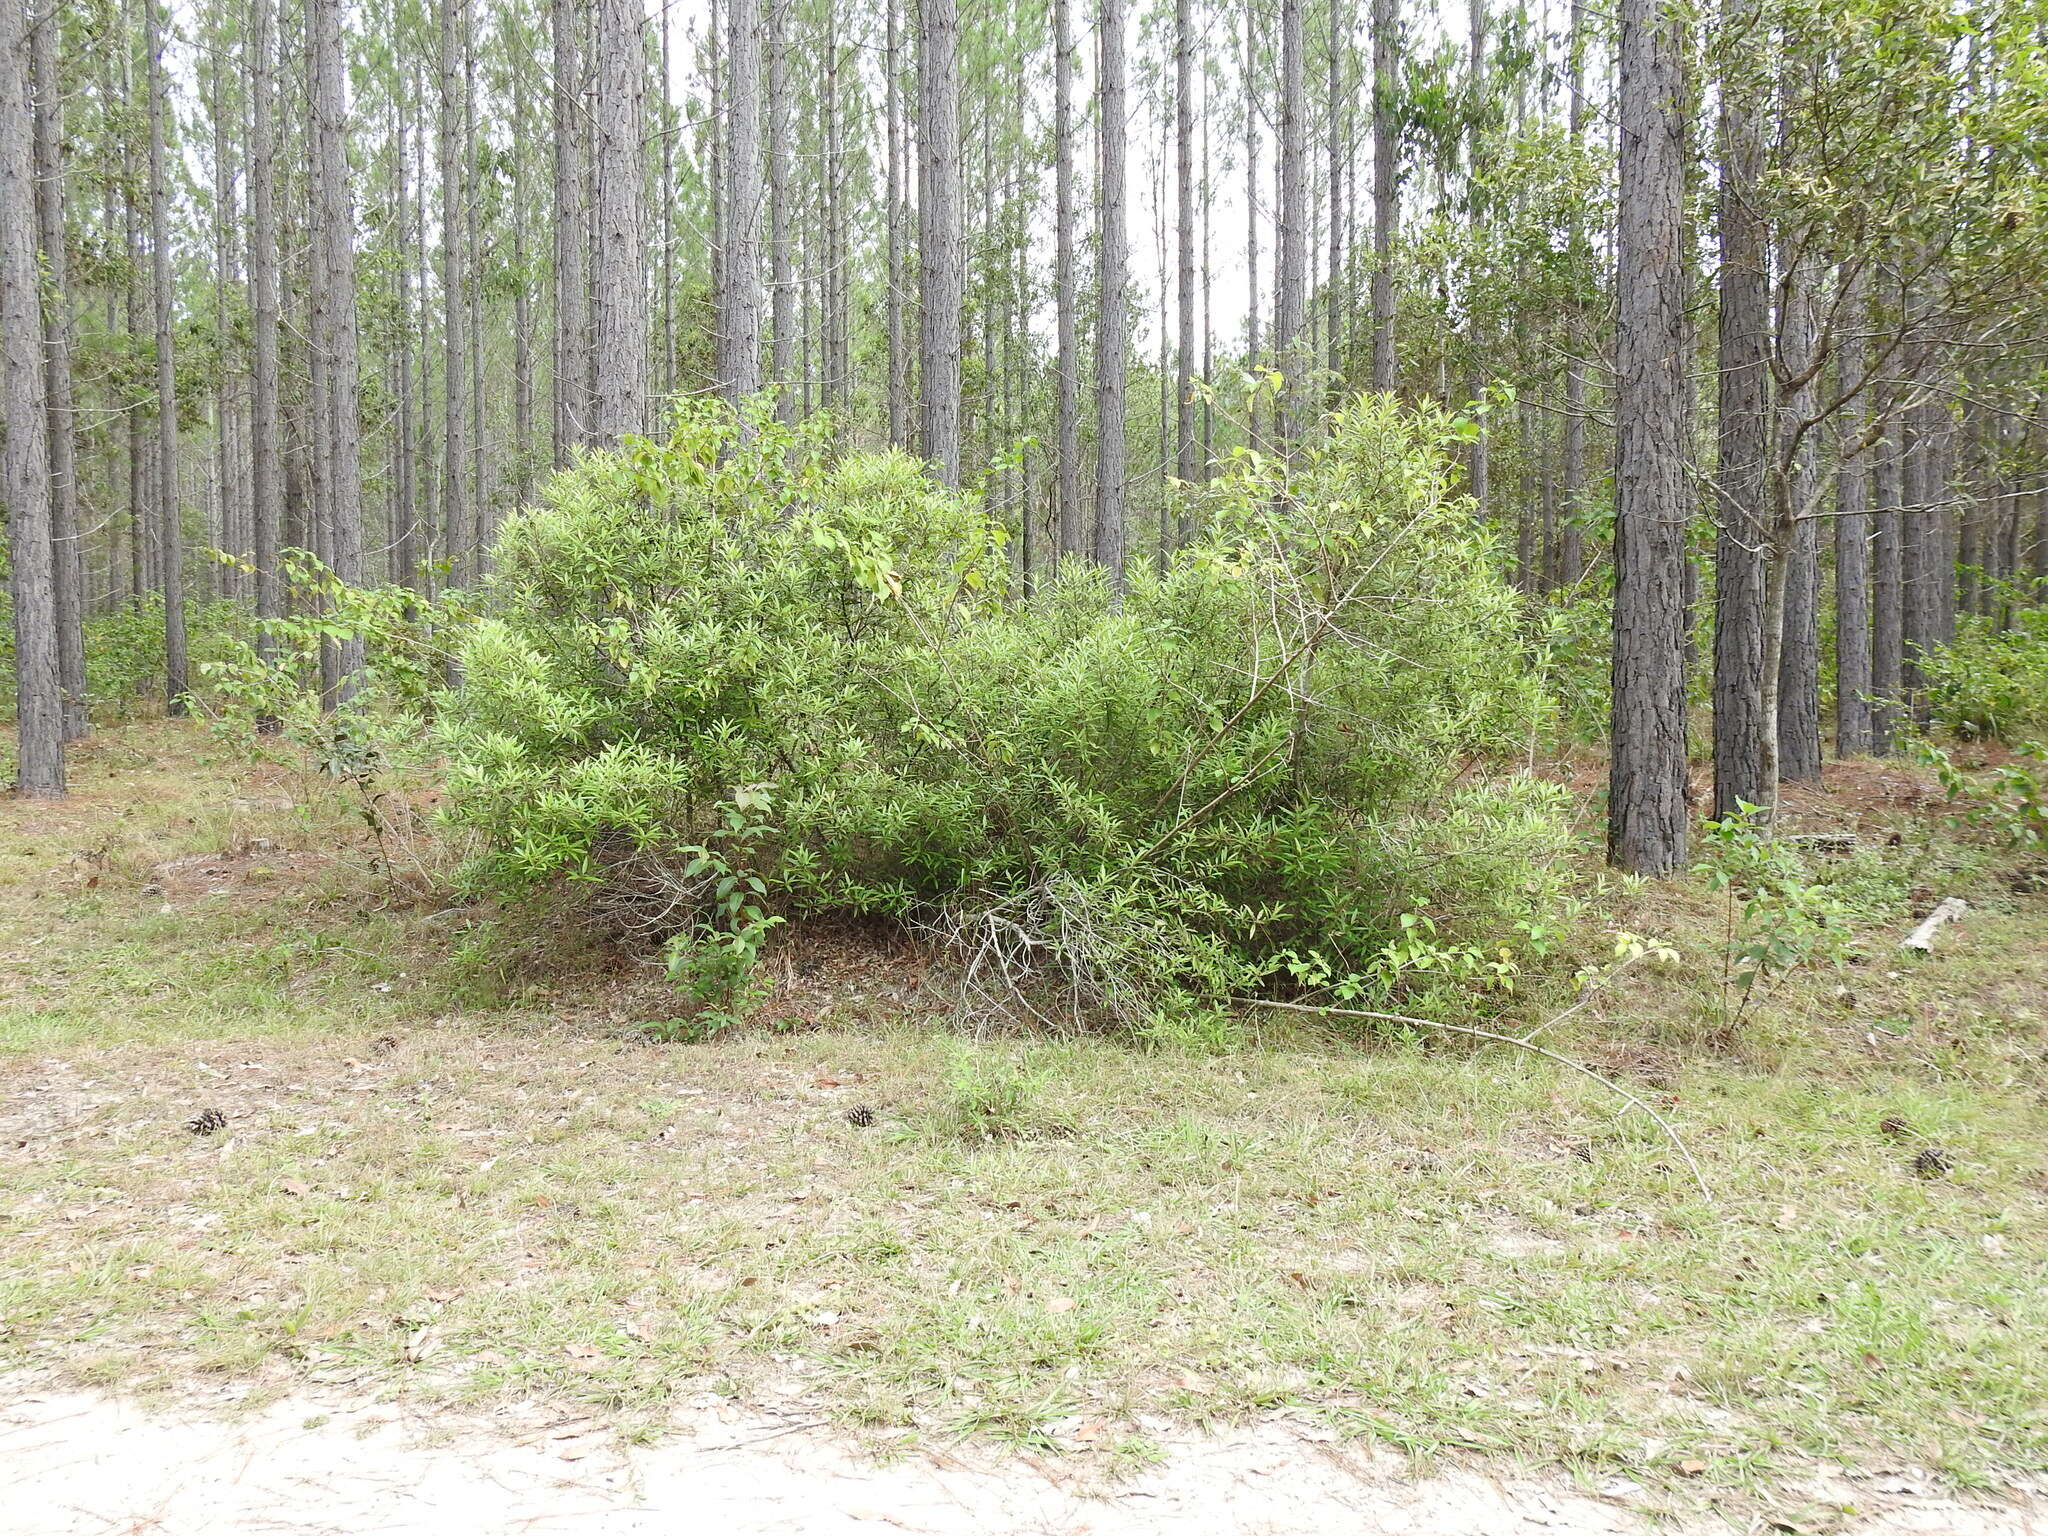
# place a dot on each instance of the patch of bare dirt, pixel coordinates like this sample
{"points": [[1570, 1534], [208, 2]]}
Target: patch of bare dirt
{"points": [[81, 1464]]}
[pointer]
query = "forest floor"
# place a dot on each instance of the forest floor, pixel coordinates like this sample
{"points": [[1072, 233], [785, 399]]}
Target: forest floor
{"points": [[470, 1250]]}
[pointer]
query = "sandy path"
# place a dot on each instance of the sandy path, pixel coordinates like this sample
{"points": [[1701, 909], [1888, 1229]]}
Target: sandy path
{"points": [[78, 1464]]}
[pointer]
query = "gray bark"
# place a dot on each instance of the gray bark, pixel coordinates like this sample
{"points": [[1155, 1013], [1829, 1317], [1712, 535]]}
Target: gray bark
{"points": [[619, 281], [1072, 533], [24, 455], [1646, 791], [898, 360], [943, 273], [67, 548], [334, 313], [739, 310], [572, 232], [782, 291], [1112, 282], [1853, 733], [455, 506], [1184, 198], [169, 535], [1385, 190], [266, 469], [1741, 535], [1290, 276]]}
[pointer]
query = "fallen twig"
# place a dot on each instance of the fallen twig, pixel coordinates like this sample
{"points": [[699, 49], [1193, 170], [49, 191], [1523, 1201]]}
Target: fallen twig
{"points": [[1580, 1067], [1948, 910]]}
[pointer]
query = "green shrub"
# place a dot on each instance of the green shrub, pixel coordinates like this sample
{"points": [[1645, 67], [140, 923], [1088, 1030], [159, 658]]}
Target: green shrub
{"points": [[1992, 683], [1124, 807]]}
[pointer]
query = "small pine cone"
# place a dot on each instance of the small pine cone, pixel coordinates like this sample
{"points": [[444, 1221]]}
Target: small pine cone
{"points": [[1932, 1163], [1896, 1127], [206, 1122], [860, 1116]]}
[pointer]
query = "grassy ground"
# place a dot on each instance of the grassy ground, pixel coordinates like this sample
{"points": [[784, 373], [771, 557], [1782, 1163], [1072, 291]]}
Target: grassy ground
{"points": [[440, 1178]]}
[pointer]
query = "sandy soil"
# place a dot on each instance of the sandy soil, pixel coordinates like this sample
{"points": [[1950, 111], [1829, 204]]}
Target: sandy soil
{"points": [[74, 1463]]}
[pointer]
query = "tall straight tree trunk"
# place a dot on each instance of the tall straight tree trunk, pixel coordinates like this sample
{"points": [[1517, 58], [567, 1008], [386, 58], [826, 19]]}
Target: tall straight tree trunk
{"points": [[266, 469], [1646, 789], [1334, 287], [1112, 280], [1571, 550], [739, 315], [334, 313], [24, 454], [943, 274], [1385, 190], [1792, 617], [1290, 275], [572, 231], [782, 294], [169, 539], [455, 505], [1480, 455], [1254, 215], [1741, 537], [1853, 733], [67, 547], [898, 359], [522, 292], [1184, 200], [1072, 532], [619, 402]]}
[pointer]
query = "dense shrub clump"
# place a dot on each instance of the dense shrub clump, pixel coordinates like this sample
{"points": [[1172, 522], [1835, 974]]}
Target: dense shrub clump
{"points": [[1991, 682], [730, 674]]}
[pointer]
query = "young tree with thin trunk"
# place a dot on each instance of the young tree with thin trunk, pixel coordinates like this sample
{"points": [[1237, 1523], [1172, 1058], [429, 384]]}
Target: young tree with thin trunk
{"points": [[572, 230], [266, 469], [1646, 809], [24, 453], [455, 489], [1854, 727], [1290, 275]]}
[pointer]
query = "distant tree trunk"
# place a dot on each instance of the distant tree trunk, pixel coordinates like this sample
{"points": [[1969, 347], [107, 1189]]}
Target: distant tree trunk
{"points": [[1741, 537], [1073, 542], [619, 405], [1646, 791], [1254, 214], [1793, 635], [522, 289], [1479, 456], [1334, 288], [67, 547], [266, 469], [572, 231], [455, 507], [1290, 276], [169, 534], [1385, 190], [1184, 197], [1571, 549], [898, 361], [782, 292], [943, 274], [1112, 281], [1853, 725], [334, 313], [24, 454], [739, 320]]}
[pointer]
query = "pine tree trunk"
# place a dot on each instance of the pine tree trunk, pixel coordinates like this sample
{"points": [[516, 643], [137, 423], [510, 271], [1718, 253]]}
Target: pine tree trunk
{"points": [[942, 282], [1385, 190], [455, 508], [67, 546], [1744, 412], [899, 358], [266, 469], [1333, 285], [1647, 786], [169, 540], [1068, 512], [739, 319], [334, 314], [572, 231], [782, 295], [1853, 734], [1184, 202], [1290, 278], [619, 286], [24, 454], [1794, 647], [1112, 281]]}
